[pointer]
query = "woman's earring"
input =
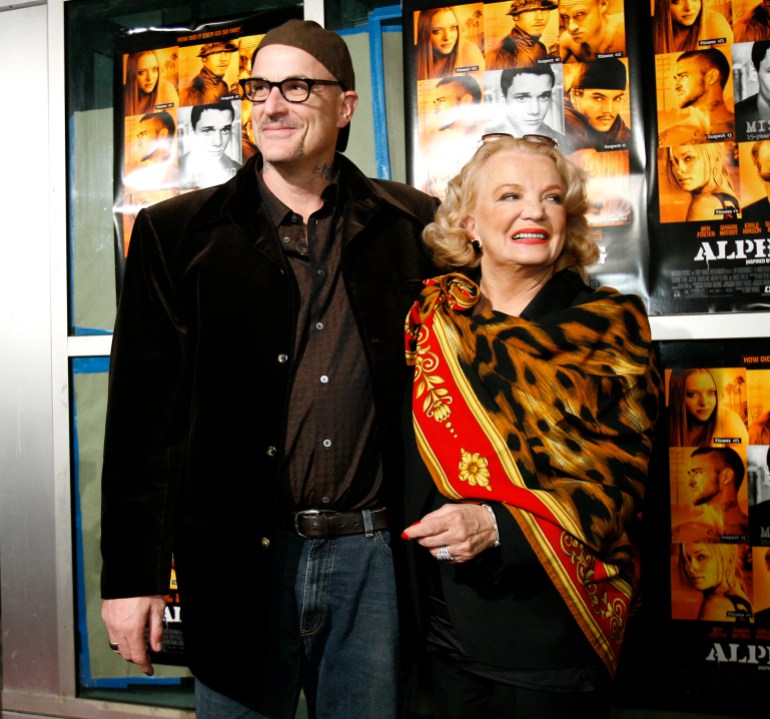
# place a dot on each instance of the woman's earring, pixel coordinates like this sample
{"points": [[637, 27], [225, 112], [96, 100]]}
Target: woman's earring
{"points": [[476, 245]]}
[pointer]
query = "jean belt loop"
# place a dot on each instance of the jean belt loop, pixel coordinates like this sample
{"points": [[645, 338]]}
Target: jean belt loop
{"points": [[368, 524]]}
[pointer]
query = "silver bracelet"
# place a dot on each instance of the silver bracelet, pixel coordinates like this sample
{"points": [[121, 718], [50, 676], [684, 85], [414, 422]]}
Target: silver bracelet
{"points": [[494, 519]]}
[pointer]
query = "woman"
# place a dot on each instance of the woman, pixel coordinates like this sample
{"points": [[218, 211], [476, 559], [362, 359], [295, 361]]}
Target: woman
{"points": [[715, 571], [680, 25], [701, 170], [696, 419], [441, 49], [533, 407], [144, 89]]}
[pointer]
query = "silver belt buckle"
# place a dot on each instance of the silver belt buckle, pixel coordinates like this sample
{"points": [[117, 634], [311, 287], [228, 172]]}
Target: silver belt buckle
{"points": [[304, 513]]}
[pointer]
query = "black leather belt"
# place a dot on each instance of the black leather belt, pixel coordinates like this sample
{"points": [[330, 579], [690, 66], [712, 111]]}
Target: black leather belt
{"points": [[322, 523]]}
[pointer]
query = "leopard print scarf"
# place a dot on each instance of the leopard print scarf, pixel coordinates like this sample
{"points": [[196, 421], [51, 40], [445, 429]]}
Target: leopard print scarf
{"points": [[552, 417]]}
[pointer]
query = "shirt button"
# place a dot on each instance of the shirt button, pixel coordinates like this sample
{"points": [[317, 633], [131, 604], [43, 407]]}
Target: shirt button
{"points": [[326, 500], [319, 325], [283, 359], [271, 451], [265, 543], [295, 218], [321, 273], [324, 379], [286, 240], [327, 443]]}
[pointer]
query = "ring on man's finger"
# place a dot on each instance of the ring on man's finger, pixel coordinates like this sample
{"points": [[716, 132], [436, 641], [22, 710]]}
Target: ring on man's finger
{"points": [[114, 646], [443, 554]]}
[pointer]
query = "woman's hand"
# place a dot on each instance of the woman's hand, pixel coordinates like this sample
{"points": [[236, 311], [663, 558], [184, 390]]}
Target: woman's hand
{"points": [[464, 529]]}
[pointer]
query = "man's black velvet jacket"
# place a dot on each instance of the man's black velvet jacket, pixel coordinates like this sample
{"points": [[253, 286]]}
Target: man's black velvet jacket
{"points": [[201, 367]]}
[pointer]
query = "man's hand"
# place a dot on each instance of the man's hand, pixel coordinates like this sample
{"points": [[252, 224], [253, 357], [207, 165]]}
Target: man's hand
{"points": [[126, 620]]}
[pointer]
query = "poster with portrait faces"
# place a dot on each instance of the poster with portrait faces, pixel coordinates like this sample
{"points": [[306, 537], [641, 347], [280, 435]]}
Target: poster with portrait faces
{"points": [[180, 122], [706, 550], [710, 233], [674, 132], [564, 70]]}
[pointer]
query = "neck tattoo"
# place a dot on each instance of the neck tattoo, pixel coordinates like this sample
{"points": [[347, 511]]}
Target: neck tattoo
{"points": [[324, 171]]}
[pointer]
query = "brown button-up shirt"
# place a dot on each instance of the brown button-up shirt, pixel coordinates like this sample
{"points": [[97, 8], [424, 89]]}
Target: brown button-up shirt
{"points": [[332, 455]]}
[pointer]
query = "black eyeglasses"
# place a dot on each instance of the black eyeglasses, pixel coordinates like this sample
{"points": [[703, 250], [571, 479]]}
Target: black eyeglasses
{"points": [[538, 139], [293, 89]]}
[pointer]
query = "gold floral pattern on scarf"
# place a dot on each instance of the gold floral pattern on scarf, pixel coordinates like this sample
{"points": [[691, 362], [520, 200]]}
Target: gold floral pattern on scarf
{"points": [[474, 469], [427, 381], [616, 609]]}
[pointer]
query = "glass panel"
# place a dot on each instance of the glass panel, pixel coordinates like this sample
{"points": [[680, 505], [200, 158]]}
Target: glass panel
{"points": [[92, 30], [341, 14], [101, 671]]}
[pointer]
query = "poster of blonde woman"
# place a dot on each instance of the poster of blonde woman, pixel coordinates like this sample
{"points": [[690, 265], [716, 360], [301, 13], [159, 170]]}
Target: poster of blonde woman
{"points": [[699, 183], [707, 406], [711, 583], [447, 40]]}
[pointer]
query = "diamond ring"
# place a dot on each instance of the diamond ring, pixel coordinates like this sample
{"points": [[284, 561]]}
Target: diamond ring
{"points": [[443, 554]]}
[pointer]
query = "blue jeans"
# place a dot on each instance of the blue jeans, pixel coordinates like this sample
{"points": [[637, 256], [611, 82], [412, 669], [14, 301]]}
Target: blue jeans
{"points": [[335, 633]]}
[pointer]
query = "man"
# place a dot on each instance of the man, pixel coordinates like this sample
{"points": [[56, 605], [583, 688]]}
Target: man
{"points": [[154, 146], [715, 475], [528, 93], [253, 426], [752, 114], [595, 99], [208, 87], [522, 47], [759, 211], [699, 81], [755, 24], [589, 32], [207, 163], [762, 617], [759, 429], [454, 99], [456, 103], [759, 512], [246, 47]]}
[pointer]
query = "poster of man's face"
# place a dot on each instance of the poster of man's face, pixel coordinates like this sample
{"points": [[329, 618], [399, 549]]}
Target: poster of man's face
{"points": [[528, 97]]}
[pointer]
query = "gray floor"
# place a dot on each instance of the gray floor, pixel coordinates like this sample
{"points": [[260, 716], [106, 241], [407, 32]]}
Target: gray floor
{"points": [[421, 710], [617, 713], [649, 714]]}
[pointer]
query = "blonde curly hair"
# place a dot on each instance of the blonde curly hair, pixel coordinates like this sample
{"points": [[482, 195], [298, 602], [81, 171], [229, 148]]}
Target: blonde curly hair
{"points": [[449, 241]]}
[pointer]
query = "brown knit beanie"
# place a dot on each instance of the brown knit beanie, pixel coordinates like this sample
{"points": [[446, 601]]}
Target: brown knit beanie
{"points": [[325, 46]]}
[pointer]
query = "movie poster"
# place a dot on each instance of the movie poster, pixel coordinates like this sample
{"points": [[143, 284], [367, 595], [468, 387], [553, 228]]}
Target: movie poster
{"points": [[172, 651], [710, 237], [717, 436], [669, 120], [180, 122], [536, 67]]}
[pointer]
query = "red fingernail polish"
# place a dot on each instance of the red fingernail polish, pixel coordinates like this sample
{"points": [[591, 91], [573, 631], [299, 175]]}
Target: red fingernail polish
{"points": [[403, 535]]}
